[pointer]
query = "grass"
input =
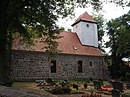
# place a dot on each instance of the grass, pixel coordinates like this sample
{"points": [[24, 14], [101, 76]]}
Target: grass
{"points": [[23, 85], [28, 86]]}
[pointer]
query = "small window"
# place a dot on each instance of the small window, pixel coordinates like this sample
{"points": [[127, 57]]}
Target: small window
{"points": [[90, 63], [87, 25], [80, 66], [53, 66]]}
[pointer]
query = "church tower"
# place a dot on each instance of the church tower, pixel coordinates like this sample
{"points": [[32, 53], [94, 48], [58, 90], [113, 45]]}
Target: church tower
{"points": [[86, 28]]}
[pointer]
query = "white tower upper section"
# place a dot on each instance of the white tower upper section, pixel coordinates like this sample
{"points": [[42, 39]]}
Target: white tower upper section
{"points": [[86, 28]]}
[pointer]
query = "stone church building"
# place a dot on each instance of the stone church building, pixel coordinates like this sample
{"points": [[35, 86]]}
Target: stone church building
{"points": [[80, 57]]}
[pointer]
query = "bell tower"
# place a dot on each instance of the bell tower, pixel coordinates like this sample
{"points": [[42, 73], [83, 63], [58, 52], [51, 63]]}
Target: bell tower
{"points": [[86, 28]]}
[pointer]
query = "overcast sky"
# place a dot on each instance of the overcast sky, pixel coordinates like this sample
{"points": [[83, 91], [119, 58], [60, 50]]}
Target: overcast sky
{"points": [[111, 11]]}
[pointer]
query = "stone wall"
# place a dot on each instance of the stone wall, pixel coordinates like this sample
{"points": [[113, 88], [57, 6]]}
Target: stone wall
{"points": [[29, 66]]}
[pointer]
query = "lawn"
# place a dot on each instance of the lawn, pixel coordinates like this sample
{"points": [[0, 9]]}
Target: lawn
{"points": [[29, 87]]}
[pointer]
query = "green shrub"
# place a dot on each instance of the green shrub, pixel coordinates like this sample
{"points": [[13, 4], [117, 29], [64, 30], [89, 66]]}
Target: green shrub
{"points": [[8, 82], [67, 81], [97, 84], [116, 93], [91, 79], [126, 94], [128, 85], [101, 81], [50, 81], [85, 85], [73, 90], [75, 86], [91, 91], [63, 83], [118, 85], [67, 90], [128, 76]]}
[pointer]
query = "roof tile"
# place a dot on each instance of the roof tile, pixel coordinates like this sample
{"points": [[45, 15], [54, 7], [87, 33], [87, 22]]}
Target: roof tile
{"points": [[84, 17], [68, 44]]}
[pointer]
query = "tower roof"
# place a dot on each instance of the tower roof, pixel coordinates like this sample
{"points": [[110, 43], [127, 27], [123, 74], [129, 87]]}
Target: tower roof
{"points": [[84, 17]]}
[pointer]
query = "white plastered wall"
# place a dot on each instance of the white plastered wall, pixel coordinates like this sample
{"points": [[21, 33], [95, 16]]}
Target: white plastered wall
{"points": [[87, 33]]}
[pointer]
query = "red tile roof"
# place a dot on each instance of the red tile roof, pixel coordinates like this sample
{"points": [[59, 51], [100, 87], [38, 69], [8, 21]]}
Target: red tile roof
{"points": [[84, 17], [68, 44]]}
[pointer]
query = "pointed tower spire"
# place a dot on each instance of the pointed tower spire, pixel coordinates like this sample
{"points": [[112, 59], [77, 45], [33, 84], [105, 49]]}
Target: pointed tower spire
{"points": [[84, 17]]}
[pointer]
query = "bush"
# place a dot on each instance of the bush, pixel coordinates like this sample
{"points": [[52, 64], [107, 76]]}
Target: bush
{"points": [[73, 90], [91, 79], [115, 93], [118, 85], [128, 76], [85, 85], [101, 81], [126, 94], [91, 91], [128, 85], [8, 82], [75, 86], [50, 81], [67, 81], [97, 84]]}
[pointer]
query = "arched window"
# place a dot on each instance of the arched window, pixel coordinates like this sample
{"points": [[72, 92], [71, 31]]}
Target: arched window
{"points": [[53, 66], [80, 66], [90, 63]]}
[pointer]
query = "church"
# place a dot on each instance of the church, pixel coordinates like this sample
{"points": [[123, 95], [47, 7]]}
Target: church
{"points": [[80, 57]]}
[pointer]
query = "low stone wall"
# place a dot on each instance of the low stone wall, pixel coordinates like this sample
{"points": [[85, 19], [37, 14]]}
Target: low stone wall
{"points": [[29, 66], [10, 92]]}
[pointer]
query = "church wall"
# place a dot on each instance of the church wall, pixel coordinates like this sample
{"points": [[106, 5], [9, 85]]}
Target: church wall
{"points": [[29, 66]]}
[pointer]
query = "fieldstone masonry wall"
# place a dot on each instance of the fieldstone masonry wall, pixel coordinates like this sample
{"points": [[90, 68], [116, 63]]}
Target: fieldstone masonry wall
{"points": [[29, 66]]}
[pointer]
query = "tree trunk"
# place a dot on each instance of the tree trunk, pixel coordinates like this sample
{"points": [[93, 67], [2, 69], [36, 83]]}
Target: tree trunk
{"points": [[3, 62], [3, 41], [114, 70]]}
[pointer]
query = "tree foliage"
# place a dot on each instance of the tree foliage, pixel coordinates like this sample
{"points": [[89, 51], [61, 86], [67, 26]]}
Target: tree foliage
{"points": [[101, 31], [118, 31]]}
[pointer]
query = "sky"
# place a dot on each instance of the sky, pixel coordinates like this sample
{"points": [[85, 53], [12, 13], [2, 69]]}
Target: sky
{"points": [[111, 11]]}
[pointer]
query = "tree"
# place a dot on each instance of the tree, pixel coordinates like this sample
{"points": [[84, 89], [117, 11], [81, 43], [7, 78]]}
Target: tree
{"points": [[101, 31], [40, 15], [118, 31]]}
